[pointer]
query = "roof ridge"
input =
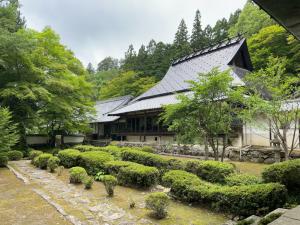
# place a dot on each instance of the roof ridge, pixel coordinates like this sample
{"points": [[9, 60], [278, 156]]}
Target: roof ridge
{"points": [[210, 48], [114, 99]]}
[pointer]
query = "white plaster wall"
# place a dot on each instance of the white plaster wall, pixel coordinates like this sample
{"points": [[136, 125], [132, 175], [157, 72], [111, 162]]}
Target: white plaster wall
{"points": [[73, 139], [133, 138], [31, 140]]}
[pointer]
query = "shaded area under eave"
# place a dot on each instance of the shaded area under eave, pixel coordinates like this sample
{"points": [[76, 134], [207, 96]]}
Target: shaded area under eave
{"points": [[285, 12]]}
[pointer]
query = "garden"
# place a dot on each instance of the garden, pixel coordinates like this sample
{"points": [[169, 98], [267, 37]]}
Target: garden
{"points": [[163, 189]]}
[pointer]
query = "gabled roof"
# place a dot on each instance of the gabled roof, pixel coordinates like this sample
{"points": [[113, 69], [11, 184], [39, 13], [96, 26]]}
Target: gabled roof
{"points": [[106, 106], [188, 67]]}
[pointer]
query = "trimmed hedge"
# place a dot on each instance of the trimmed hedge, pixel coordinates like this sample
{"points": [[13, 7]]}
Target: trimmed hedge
{"points": [[287, 173], [41, 161], [93, 161], [114, 150], [242, 200], [158, 202], [113, 167], [110, 182], [86, 148], [69, 157], [3, 160], [14, 155], [77, 175], [138, 175], [34, 153], [212, 171], [238, 179], [178, 175]]}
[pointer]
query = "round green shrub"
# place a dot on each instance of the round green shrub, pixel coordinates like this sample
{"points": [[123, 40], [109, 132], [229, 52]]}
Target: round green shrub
{"points": [[77, 175], [177, 175], [34, 153], [93, 161], [147, 149], [158, 202], [113, 167], [138, 175], [53, 163], [14, 155], [110, 182], [88, 182], [212, 171], [287, 173], [69, 157], [237, 179], [3, 160], [41, 161]]}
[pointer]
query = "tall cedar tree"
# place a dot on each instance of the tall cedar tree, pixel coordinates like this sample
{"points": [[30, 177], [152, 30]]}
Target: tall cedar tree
{"points": [[90, 69], [181, 43], [197, 37]]}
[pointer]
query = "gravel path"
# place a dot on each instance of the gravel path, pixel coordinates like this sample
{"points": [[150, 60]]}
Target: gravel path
{"points": [[78, 206]]}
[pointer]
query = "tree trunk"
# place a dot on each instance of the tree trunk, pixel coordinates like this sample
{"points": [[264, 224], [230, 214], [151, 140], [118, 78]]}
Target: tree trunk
{"points": [[224, 147], [206, 148]]}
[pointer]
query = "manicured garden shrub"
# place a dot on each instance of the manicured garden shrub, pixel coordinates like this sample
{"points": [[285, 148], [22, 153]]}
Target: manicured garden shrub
{"points": [[34, 153], [158, 202], [3, 160], [113, 167], [69, 157], [178, 175], [287, 173], [53, 163], [212, 171], [77, 175], [147, 149], [88, 182], [114, 150], [86, 148], [41, 161], [237, 179], [138, 175], [110, 182], [14, 155], [241, 200], [93, 161], [145, 158]]}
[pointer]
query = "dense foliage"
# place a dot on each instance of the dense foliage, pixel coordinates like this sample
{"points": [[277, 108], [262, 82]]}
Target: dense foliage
{"points": [[41, 161], [77, 175], [110, 182], [158, 202], [68, 157], [14, 155], [3, 160], [53, 163]]}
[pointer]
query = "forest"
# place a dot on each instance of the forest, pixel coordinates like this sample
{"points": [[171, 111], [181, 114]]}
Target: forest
{"points": [[139, 70]]}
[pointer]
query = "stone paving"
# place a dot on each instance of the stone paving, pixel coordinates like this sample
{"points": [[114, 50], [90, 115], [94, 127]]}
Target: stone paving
{"points": [[291, 217], [78, 206]]}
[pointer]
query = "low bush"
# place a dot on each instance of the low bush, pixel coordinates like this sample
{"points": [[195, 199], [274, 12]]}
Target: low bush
{"points": [[99, 175], [212, 171], [93, 161], [241, 200], [138, 175], [53, 163], [34, 153], [158, 202], [88, 182], [77, 175], [270, 218], [113, 167], [237, 179], [287, 173], [41, 161], [3, 160], [110, 182], [148, 149], [14, 155], [86, 148], [178, 175], [69, 157]]}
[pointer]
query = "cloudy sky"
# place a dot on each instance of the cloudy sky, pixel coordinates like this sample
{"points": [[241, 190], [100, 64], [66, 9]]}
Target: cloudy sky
{"points": [[94, 29]]}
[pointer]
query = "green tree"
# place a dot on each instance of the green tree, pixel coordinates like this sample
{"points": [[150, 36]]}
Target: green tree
{"points": [[197, 37], [251, 20], [10, 16], [181, 43], [9, 135], [129, 62], [127, 83], [108, 63], [208, 35], [272, 98], [206, 114], [90, 69], [274, 41]]}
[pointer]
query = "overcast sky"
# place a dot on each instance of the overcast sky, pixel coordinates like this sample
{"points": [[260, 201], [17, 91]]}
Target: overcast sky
{"points": [[94, 29]]}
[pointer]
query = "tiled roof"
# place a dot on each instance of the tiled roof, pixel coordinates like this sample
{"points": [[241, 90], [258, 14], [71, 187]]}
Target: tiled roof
{"points": [[188, 68], [106, 106], [149, 104]]}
